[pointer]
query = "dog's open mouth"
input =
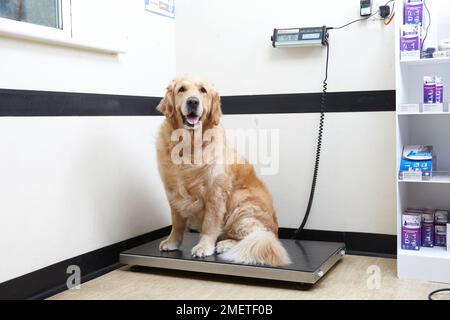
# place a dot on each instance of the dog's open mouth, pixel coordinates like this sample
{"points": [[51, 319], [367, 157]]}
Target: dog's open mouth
{"points": [[191, 120]]}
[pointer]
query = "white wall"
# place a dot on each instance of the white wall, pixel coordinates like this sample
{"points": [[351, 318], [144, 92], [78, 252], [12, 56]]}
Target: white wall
{"points": [[356, 185], [144, 70], [228, 42], [70, 185]]}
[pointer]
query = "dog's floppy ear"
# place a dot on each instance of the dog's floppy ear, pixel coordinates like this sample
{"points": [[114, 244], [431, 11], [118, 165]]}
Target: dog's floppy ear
{"points": [[167, 104], [215, 111]]}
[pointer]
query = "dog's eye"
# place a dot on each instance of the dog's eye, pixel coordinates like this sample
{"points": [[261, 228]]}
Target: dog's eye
{"points": [[182, 89], [203, 90]]}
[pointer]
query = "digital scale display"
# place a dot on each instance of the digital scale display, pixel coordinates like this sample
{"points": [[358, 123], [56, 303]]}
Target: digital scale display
{"points": [[292, 37], [288, 37], [296, 36], [309, 36]]}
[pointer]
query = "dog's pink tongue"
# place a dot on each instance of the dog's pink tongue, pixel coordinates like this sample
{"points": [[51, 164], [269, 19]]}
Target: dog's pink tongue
{"points": [[193, 119]]}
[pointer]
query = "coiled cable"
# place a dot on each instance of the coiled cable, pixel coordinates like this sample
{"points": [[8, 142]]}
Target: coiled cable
{"points": [[323, 100], [430, 296]]}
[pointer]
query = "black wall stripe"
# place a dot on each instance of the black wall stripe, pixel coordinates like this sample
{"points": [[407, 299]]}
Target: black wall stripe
{"points": [[21, 103], [361, 101], [51, 280], [370, 244], [24, 103]]}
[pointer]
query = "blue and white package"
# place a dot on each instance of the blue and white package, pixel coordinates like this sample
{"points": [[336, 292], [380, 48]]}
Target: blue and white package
{"points": [[417, 162], [410, 41], [413, 12]]}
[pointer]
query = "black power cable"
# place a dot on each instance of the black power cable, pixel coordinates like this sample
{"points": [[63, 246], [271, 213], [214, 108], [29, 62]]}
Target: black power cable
{"points": [[430, 296], [354, 21], [428, 26], [323, 100], [361, 19]]}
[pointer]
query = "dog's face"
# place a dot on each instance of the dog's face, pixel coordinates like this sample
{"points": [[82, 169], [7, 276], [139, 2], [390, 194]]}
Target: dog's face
{"points": [[190, 102]]}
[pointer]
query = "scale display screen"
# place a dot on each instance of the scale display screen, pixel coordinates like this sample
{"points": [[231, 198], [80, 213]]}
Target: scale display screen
{"points": [[291, 37], [309, 36], [288, 37]]}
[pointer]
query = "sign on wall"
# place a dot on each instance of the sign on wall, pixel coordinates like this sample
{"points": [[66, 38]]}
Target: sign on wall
{"points": [[162, 7]]}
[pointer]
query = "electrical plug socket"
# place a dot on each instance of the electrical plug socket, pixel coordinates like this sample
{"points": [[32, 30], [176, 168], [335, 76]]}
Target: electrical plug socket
{"points": [[384, 11]]}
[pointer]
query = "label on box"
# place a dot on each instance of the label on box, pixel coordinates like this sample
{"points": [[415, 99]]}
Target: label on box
{"points": [[433, 107], [413, 12], [409, 108], [411, 175], [448, 238], [428, 228], [410, 42], [441, 217], [440, 236], [417, 163], [410, 55], [411, 231]]}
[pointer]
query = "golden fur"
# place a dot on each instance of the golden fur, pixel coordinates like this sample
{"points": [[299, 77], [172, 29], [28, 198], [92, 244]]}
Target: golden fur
{"points": [[225, 201]]}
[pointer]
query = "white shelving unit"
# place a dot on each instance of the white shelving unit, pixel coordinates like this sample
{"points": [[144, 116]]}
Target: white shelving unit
{"points": [[420, 62], [429, 264]]}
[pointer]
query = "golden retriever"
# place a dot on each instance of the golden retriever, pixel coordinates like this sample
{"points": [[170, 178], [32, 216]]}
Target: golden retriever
{"points": [[223, 199]]}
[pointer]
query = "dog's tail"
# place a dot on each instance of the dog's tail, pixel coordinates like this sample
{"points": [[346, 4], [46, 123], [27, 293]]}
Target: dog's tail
{"points": [[258, 247]]}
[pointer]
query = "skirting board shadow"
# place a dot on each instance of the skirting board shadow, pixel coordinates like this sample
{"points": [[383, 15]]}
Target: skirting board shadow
{"points": [[357, 243]]}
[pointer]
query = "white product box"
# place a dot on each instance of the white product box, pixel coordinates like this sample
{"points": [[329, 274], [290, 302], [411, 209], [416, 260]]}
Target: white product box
{"points": [[433, 107], [409, 108]]}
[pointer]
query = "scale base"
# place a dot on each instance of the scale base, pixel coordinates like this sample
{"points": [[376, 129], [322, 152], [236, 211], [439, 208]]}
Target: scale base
{"points": [[311, 260]]}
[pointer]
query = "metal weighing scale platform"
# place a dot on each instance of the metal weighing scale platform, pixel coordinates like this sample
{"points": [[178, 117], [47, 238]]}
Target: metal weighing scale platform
{"points": [[311, 260]]}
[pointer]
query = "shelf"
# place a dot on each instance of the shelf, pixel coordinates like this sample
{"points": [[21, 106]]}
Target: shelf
{"points": [[427, 264], [415, 127], [417, 109], [430, 61], [436, 252], [438, 177], [422, 113]]}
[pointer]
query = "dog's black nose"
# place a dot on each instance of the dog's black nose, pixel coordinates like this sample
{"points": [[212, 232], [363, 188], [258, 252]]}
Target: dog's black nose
{"points": [[192, 103]]}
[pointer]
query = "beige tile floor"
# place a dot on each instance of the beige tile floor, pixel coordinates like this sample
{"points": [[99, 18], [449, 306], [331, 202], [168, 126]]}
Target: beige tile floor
{"points": [[347, 280]]}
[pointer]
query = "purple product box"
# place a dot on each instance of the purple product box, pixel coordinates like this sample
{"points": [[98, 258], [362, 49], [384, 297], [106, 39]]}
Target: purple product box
{"points": [[439, 90], [429, 90], [440, 236], [411, 230], [428, 228], [441, 217], [448, 238], [410, 38], [413, 13]]}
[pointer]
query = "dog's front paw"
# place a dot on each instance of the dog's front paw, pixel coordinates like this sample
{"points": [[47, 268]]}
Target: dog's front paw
{"points": [[169, 245], [225, 245], [203, 250]]}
